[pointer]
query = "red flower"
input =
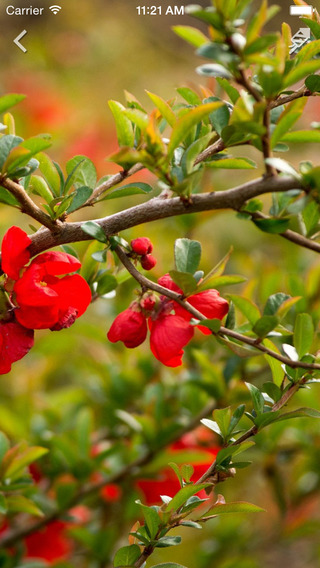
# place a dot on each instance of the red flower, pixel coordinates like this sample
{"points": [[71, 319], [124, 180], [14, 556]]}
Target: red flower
{"points": [[51, 543], [46, 301], [209, 303], [142, 245], [15, 342], [130, 327], [148, 261], [167, 482], [169, 334], [14, 252]]}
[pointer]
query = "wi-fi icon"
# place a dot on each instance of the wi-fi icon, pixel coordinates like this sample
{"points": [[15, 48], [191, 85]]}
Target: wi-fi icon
{"points": [[55, 9]]}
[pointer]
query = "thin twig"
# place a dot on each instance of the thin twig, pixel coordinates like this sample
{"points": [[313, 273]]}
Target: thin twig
{"points": [[223, 332]]}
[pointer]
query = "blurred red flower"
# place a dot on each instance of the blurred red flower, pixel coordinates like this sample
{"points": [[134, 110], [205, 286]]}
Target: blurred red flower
{"points": [[51, 543], [15, 342]]}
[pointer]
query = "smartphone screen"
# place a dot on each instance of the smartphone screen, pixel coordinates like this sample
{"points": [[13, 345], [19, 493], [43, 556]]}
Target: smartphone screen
{"points": [[101, 408]]}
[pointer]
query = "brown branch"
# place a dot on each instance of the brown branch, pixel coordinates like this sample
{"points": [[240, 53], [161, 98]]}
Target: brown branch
{"points": [[285, 99], [158, 208], [14, 535], [111, 182], [27, 205], [223, 332]]}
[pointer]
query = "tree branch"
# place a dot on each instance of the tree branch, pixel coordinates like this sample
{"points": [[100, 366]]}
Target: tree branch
{"points": [[27, 205]]}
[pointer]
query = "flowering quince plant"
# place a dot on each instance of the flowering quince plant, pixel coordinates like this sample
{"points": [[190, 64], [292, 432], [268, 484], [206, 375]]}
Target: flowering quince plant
{"points": [[38, 297]]}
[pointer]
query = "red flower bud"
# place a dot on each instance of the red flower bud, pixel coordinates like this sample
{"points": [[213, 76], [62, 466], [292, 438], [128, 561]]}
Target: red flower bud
{"points": [[130, 327], [148, 303], [142, 245], [148, 262]]}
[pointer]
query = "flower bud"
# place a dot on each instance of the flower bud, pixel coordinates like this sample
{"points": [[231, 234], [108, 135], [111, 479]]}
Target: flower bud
{"points": [[142, 245], [148, 303], [148, 262]]}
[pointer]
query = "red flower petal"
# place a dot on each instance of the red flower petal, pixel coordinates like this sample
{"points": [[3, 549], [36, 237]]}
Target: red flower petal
{"points": [[209, 303], [51, 543], [167, 282], [57, 263], [32, 290], [169, 334], [14, 252], [40, 317], [15, 342], [130, 327], [74, 297]]}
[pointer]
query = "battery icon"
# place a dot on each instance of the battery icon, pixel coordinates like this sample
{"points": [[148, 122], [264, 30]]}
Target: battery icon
{"points": [[301, 10]]}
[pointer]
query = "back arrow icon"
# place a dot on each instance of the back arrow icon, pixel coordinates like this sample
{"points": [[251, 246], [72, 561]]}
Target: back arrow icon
{"points": [[17, 42]]}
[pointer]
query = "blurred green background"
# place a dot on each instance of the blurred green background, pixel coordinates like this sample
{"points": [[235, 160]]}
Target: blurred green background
{"points": [[77, 60]]}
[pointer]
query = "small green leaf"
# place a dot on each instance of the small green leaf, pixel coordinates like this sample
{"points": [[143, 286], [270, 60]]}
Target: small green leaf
{"points": [[81, 172], [166, 541], [126, 556], [39, 186], [187, 255], [282, 166], [192, 35], [235, 418], [106, 283], [264, 325], [274, 364], [81, 195], [303, 334], [8, 101], [246, 307], [300, 413], [213, 70], [212, 425], [152, 519], [234, 507], [300, 72], [20, 504], [184, 280], [302, 136], [187, 122], [222, 417], [257, 398], [232, 164], [183, 495], [3, 505], [212, 324], [94, 230], [163, 108], [125, 133], [7, 143], [127, 190], [4, 443], [49, 173], [273, 226], [189, 95], [233, 450], [7, 198], [274, 302]]}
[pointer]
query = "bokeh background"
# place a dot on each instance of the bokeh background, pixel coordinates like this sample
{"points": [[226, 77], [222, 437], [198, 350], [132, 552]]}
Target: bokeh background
{"points": [[77, 60]]}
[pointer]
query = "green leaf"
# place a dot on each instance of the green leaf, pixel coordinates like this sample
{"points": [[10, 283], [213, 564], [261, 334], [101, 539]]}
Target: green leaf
{"points": [[127, 190], [233, 450], [274, 302], [7, 198], [212, 425], [274, 226], [81, 172], [189, 95], [3, 505], [284, 124], [212, 324], [313, 83], [302, 136], [125, 133], [8, 101], [183, 495], [232, 164], [4, 443], [187, 122], [7, 143], [234, 507], [308, 51], [303, 334], [49, 173], [222, 417], [282, 166], [274, 364], [191, 35], [213, 70], [264, 325], [235, 418], [187, 255], [300, 72], [84, 427], [257, 398], [94, 230], [246, 307], [300, 413], [192, 152], [138, 117], [22, 460], [152, 519], [184, 280], [20, 504], [163, 108], [126, 556], [231, 91], [220, 118], [260, 44], [313, 25], [39, 186], [81, 195], [106, 283], [166, 541]]}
